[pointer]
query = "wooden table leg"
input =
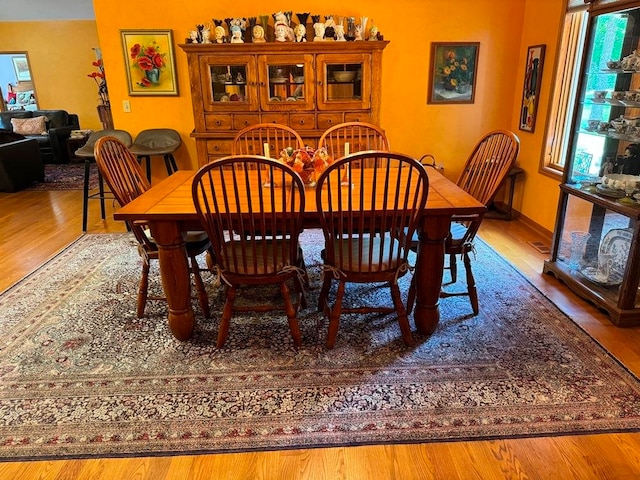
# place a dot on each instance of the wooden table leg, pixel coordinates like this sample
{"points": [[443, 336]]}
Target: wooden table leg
{"points": [[429, 269], [174, 270]]}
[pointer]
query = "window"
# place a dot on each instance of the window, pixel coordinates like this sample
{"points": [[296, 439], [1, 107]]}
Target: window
{"points": [[564, 92]]}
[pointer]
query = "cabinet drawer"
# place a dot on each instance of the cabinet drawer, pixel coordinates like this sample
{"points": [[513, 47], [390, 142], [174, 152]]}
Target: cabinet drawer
{"points": [[219, 147], [302, 121], [281, 118], [217, 122], [357, 117], [326, 120], [243, 121]]}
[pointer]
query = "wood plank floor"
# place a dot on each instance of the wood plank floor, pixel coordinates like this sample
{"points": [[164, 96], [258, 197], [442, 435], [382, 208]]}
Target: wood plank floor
{"points": [[36, 225]]}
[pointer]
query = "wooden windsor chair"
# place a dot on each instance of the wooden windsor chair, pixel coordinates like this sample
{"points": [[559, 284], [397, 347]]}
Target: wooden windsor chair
{"points": [[368, 224], [352, 137], [271, 221], [126, 180], [482, 176]]}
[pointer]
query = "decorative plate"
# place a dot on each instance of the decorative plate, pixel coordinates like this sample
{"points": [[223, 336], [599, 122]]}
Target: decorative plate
{"points": [[617, 243], [609, 192], [278, 80]]}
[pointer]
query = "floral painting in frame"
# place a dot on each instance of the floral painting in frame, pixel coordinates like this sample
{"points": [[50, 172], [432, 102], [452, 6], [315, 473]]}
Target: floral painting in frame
{"points": [[149, 62], [453, 70], [531, 89]]}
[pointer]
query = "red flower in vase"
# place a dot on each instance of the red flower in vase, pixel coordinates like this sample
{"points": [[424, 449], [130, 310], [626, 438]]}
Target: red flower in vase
{"points": [[150, 61]]}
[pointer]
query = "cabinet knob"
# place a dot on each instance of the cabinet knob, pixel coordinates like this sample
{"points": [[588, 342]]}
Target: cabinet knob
{"points": [[301, 121], [320, 82], [218, 123]]}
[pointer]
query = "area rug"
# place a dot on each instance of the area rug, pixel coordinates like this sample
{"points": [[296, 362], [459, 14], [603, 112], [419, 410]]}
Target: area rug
{"points": [[82, 376], [66, 176]]}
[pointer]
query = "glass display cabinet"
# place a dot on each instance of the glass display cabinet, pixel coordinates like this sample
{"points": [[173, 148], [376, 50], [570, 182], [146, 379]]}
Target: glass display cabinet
{"points": [[308, 86], [595, 249]]}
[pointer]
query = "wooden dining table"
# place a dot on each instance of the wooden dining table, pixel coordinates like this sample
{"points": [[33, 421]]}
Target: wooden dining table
{"points": [[169, 210]]}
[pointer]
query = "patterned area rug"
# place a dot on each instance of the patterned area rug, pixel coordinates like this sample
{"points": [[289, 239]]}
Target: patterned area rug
{"points": [[81, 375], [66, 176]]}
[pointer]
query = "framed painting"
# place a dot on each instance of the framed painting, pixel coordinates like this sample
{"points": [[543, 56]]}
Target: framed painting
{"points": [[531, 89], [21, 67], [453, 72], [149, 62]]}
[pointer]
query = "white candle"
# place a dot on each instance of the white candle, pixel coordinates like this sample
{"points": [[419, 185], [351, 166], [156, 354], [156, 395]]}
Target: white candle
{"points": [[266, 149], [346, 148]]}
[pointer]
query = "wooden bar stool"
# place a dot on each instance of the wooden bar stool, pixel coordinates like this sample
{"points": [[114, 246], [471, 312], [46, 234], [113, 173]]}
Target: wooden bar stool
{"points": [[86, 152], [157, 141]]}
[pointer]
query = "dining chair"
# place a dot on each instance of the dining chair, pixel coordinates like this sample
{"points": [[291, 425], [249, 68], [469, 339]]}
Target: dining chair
{"points": [[87, 153], [482, 176], [253, 139], [229, 196], [127, 181], [352, 137], [368, 226], [157, 142]]}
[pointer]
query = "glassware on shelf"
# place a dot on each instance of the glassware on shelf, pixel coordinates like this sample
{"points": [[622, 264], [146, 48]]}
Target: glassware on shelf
{"points": [[578, 243]]}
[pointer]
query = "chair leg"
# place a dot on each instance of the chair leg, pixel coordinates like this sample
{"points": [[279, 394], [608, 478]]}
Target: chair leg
{"points": [[85, 200], [291, 315], [403, 321], [411, 295], [225, 321], [203, 299], [172, 160], [324, 291], [471, 285], [167, 164], [453, 267], [334, 317], [101, 190], [143, 289]]}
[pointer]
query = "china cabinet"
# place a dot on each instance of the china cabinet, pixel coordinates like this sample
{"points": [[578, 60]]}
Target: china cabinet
{"points": [[596, 246], [308, 86]]}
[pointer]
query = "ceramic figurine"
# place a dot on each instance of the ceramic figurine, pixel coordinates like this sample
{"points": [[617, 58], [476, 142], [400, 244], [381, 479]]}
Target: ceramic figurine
{"points": [[373, 33], [339, 32], [193, 36], [358, 31], [206, 35], [300, 33], [257, 34], [220, 34], [319, 30], [236, 34]]}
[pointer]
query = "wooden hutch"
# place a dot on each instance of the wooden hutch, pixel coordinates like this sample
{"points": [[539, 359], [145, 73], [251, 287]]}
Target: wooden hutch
{"points": [[308, 86]]}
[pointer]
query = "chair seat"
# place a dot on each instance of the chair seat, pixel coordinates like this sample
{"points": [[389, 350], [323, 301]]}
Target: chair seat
{"points": [[142, 150], [246, 258], [360, 263]]}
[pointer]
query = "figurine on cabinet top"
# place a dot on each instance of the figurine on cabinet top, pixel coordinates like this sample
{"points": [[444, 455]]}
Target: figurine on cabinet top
{"points": [[206, 34], [339, 31], [300, 33], [358, 31], [220, 34], [319, 30], [236, 34], [257, 34], [373, 33], [193, 36]]}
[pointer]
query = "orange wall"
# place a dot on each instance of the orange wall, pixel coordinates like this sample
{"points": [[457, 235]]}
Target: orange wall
{"points": [[60, 56], [537, 197], [504, 29]]}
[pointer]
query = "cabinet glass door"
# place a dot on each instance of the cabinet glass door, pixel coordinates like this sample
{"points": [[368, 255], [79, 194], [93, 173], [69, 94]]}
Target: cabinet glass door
{"points": [[232, 85], [286, 82], [607, 115], [344, 81]]}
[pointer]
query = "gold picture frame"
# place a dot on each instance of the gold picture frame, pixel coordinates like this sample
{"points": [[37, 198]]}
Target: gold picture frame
{"points": [[150, 62], [453, 72]]}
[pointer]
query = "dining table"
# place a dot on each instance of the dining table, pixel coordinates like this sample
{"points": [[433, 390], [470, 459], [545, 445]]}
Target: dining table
{"points": [[169, 211]]}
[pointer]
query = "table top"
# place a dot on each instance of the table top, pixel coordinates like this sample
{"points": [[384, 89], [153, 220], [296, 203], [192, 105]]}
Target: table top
{"points": [[170, 200]]}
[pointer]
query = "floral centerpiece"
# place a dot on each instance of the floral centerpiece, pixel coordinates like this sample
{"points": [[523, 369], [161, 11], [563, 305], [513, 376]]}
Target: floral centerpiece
{"points": [[455, 71], [306, 162], [150, 61], [101, 81]]}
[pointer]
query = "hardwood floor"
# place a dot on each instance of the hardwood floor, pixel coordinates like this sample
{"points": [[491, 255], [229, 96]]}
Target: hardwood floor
{"points": [[36, 225]]}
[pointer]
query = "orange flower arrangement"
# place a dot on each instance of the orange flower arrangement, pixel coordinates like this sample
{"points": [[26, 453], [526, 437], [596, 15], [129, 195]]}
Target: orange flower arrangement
{"points": [[306, 161]]}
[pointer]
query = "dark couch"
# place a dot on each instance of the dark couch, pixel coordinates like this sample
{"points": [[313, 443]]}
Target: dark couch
{"points": [[59, 125], [20, 162]]}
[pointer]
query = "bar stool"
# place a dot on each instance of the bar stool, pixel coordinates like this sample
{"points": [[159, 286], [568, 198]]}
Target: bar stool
{"points": [[86, 152], [157, 141]]}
